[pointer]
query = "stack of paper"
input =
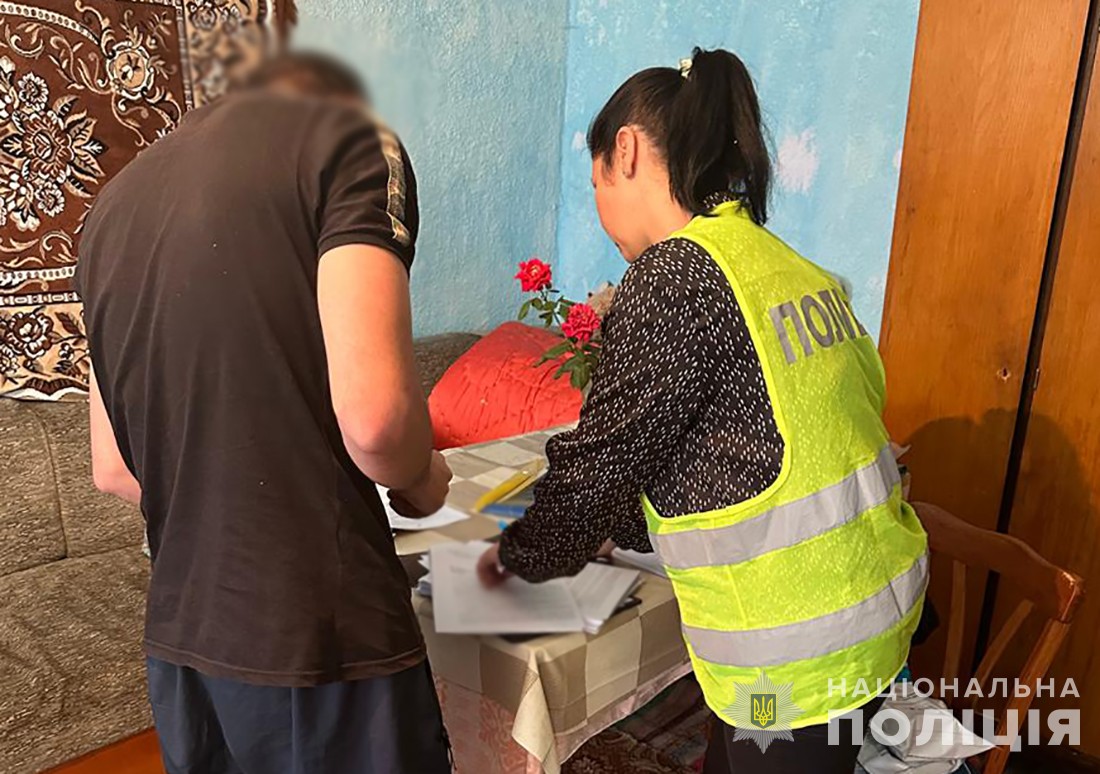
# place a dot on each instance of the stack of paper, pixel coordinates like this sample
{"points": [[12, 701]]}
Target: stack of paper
{"points": [[599, 590], [424, 585], [444, 516], [463, 606]]}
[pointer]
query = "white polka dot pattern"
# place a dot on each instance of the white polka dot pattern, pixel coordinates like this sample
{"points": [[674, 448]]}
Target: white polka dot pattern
{"points": [[678, 410]]}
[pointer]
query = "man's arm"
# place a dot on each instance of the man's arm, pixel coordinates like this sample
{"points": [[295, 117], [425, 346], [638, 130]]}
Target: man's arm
{"points": [[366, 240], [363, 297], [109, 471]]}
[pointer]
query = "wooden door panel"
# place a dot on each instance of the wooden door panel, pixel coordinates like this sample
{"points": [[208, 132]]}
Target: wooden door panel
{"points": [[1057, 505], [990, 105]]}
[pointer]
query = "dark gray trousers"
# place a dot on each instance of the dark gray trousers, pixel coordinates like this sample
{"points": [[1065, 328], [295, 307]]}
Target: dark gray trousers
{"points": [[385, 725]]}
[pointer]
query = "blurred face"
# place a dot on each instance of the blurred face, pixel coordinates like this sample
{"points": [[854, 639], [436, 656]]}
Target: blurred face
{"points": [[616, 204]]}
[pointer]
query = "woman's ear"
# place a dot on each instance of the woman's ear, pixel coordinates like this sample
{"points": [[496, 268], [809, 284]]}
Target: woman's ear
{"points": [[626, 150]]}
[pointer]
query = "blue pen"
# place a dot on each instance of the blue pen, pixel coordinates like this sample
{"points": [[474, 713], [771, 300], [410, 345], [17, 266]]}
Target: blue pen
{"points": [[511, 510]]}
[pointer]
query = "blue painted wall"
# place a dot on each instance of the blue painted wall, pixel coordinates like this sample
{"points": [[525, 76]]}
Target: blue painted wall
{"points": [[833, 76], [475, 90], [493, 100]]}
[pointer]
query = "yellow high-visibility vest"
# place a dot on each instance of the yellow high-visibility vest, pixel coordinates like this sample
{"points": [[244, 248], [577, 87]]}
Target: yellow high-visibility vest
{"points": [[818, 581]]}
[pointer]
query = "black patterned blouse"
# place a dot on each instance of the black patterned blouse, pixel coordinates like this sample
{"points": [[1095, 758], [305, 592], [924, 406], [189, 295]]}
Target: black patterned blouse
{"points": [[678, 409]]}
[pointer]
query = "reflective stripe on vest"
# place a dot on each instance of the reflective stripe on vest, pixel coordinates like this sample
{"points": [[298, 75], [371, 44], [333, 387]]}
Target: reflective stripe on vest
{"points": [[786, 525], [818, 636]]}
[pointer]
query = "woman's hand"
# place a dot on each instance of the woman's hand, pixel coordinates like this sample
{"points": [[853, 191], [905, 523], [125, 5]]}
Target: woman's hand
{"points": [[489, 569]]}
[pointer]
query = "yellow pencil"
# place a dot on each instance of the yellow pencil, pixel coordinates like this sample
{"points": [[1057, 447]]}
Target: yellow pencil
{"points": [[514, 483]]}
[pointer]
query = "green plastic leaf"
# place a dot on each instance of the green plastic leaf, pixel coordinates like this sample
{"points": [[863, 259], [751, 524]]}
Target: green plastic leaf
{"points": [[579, 377], [553, 353]]}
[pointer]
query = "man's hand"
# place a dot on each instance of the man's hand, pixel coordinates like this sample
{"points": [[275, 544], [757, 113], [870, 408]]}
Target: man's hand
{"points": [[428, 494], [489, 569]]}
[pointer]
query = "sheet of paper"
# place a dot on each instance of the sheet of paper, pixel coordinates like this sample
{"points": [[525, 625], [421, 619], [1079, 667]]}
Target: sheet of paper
{"points": [[446, 515], [463, 606], [598, 590], [651, 563]]}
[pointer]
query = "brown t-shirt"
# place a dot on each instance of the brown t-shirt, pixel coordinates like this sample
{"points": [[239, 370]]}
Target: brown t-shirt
{"points": [[273, 562]]}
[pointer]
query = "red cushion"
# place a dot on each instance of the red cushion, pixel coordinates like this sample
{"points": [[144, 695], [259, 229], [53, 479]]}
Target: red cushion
{"points": [[493, 391]]}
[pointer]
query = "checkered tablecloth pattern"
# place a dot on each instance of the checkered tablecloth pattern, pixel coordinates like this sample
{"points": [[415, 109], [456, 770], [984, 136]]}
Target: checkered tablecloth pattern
{"points": [[558, 690], [477, 469]]}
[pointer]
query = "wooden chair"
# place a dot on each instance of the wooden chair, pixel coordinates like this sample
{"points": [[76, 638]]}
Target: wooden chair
{"points": [[1048, 590]]}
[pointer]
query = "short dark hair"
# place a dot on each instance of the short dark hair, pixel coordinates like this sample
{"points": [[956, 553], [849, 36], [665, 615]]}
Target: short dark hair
{"points": [[707, 125], [308, 72]]}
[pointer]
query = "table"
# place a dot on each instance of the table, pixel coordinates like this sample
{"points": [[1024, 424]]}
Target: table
{"points": [[526, 707]]}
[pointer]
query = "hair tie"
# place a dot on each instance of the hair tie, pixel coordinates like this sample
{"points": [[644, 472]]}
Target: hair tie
{"points": [[685, 68]]}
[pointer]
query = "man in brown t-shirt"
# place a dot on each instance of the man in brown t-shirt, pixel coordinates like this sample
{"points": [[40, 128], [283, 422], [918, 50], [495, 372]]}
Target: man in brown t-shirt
{"points": [[245, 283]]}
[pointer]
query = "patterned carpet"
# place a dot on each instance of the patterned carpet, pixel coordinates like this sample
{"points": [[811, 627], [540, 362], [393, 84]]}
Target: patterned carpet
{"points": [[667, 736], [85, 87], [615, 751]]}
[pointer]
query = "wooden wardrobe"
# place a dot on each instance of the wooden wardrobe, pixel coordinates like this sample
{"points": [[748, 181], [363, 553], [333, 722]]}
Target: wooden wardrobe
{"points": [[992, 321]]}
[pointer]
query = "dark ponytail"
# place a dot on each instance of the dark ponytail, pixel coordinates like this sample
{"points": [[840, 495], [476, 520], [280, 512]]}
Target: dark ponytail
{"points": [[715, 138], [707, 124]]}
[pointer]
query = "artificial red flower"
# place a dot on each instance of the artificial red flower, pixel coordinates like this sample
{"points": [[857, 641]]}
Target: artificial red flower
{"points": [[534, 275], [582, 323]]}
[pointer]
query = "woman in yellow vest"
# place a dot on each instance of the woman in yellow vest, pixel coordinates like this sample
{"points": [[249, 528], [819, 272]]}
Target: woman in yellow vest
{"points": [[734, 426]]}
